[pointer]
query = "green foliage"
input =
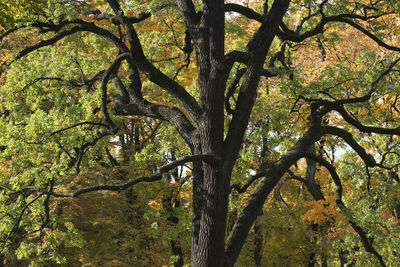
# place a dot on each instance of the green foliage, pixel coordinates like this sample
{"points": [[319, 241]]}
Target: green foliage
{"points": [[48, 115]]}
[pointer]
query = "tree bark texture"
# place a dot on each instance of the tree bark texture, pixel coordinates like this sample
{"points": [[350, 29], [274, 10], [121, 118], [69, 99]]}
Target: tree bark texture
{"points": [[201, 122]]}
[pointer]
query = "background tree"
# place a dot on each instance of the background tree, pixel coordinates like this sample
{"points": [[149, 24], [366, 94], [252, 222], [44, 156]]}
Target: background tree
{"points": [[248, 96]]}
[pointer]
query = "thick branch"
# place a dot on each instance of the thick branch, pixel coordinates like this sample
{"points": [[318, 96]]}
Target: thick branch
{"points": [[257, 49], [348, 138], [167, 113], [261, 191], [111, 70], [188, 12], [8, 32], [366, 129], [187, 101], [132, 19], [245, 11]]}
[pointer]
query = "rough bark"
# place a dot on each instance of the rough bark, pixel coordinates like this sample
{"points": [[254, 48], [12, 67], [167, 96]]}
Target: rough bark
{"points": [[208, 240], [201, 123]]}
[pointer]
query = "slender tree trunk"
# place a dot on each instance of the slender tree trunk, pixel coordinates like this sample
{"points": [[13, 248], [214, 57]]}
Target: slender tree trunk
{"points": [[168, 203], [324, 261], [312, 258], [258, 241]]}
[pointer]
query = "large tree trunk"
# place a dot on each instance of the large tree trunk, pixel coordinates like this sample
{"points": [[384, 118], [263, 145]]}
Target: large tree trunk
{"points": [[211, 189], [212, 181]]}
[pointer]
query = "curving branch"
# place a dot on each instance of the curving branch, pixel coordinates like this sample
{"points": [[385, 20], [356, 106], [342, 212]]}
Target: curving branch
{"points": [[162, 112], [67, 128], [187, 101], [245, 11], [123, 93], [8, 32], [132, 19], [242, 188], [18, 220], [263, 188], [306, 18], [231, 89], [106, 77], [289, 35], [158, 176], [84, 26], [73, 82], [372, 89], [76, 125], [84, 148], [46, 201], [366, 129], [242, 57], [41, 44], [348, 138], [369, 34], [345, 211], [259, 43]]}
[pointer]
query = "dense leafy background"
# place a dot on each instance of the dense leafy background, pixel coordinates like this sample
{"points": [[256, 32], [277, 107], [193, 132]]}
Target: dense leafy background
{"points": [[45, 91]]}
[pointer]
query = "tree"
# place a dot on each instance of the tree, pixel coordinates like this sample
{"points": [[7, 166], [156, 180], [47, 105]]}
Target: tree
{"points": [[120, 43]]}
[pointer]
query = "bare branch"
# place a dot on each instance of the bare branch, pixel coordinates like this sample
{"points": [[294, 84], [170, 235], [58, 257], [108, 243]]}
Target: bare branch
{"points": [[132, 19], [187, 101], [245, 11], [242, 188], [123, 93], [290, 35], [83, 149], [263, 188], [348, 138], [43, 43], [85, 26], [17, 222], [231, 89], [305, 19], [345, 211], [242, 57], [155, 177], [166, 113], [78, 124], [46, 209], [8, 32], [111, 70], [67, 128], [367, 129], [368, 95]]}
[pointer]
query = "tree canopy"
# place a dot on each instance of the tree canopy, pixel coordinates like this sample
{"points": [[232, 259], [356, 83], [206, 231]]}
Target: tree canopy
{"points": [[209, 133]]}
